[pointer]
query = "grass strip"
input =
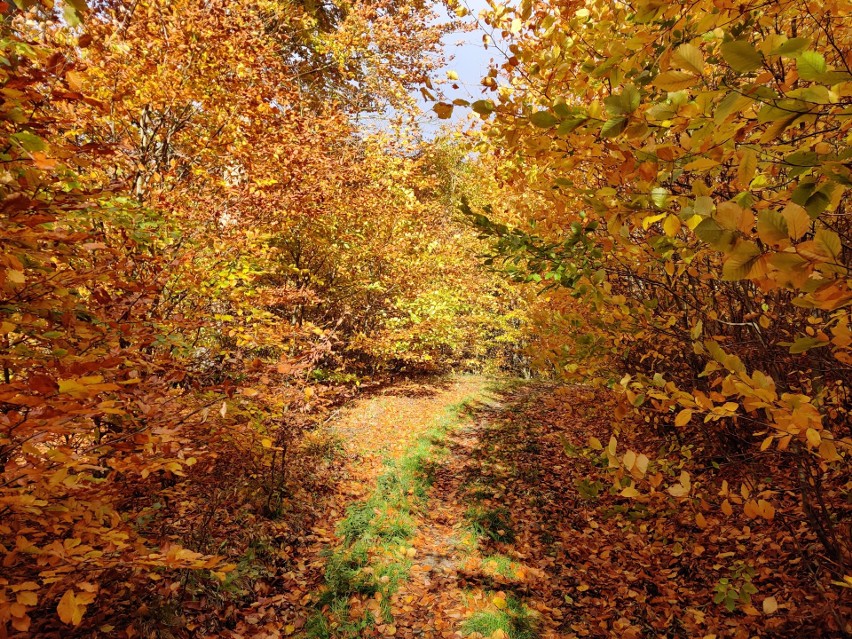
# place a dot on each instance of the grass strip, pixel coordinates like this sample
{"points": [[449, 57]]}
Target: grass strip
{"points": [[374, 556], [514, 620]]}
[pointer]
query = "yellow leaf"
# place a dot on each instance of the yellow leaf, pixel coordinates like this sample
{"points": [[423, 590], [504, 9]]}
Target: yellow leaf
{"points": [[683, 417], [289, 629], [681, 489], [73, 387], [770, 605], [726, 508], [678, 490], [701, 164], [499, 601], [641, 463], [672, 225], [700, 521], [16, 277], [747, 167], [689, 57], [828, 451], [452, 75], [729, 215], [650, 219], [798, 220], [630, 491], [629, 459], [266, 442], [813, 437], [675, 80], [595, 443]]}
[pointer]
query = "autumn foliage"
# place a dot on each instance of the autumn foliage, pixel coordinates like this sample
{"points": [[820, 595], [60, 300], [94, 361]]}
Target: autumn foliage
{"points": [[208, 245], [195, 237], [678, 180]]}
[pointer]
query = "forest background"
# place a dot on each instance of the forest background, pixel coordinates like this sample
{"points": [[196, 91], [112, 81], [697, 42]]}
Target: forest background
{"points": [[205, 253]]}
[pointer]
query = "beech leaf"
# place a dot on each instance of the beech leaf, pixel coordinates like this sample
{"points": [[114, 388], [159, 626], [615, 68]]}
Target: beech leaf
{"points": [[741, 56]]}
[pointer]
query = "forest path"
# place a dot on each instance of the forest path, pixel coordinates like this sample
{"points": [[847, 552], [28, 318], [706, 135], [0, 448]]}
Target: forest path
{"points": [[429, 548], [476, 508]]}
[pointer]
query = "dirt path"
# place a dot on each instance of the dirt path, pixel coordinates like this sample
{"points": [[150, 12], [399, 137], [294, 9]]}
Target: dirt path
{"points": [[470, 578], [472, 510], [391, 439], [458, 566], [385, 425]]}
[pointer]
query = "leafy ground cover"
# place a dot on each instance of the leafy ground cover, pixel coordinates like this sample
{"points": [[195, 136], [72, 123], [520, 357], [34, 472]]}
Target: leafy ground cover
{"points": [[344, 568], [508, 525], [220, 221]]}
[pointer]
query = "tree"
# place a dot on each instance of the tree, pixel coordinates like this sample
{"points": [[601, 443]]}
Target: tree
{"points": [[152, 152], [694, 162]]}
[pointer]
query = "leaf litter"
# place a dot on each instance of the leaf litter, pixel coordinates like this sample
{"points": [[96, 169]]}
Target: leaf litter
{"points": [[521, 534]]}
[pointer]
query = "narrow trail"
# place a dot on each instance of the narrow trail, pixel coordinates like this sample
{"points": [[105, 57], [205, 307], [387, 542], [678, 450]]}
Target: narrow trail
{"points": [[380, 431], [385, 425], [435, 602], [470, 578], [475, 509], [458, 569]]}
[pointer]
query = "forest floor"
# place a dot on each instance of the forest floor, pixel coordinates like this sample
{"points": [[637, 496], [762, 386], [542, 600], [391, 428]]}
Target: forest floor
{"points": [[470, 508]]}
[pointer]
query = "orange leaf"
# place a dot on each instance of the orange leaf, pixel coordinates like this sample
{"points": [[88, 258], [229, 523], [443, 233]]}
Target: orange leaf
{"points": [[69, 609]]}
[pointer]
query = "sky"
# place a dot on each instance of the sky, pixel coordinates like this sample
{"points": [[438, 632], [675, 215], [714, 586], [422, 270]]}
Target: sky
{"points": [[469, 58]]}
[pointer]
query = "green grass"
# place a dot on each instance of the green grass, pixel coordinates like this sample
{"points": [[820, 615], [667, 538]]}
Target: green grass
{"points": [[500, 565], [515, 620], [375, 535], [492, 522]]}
